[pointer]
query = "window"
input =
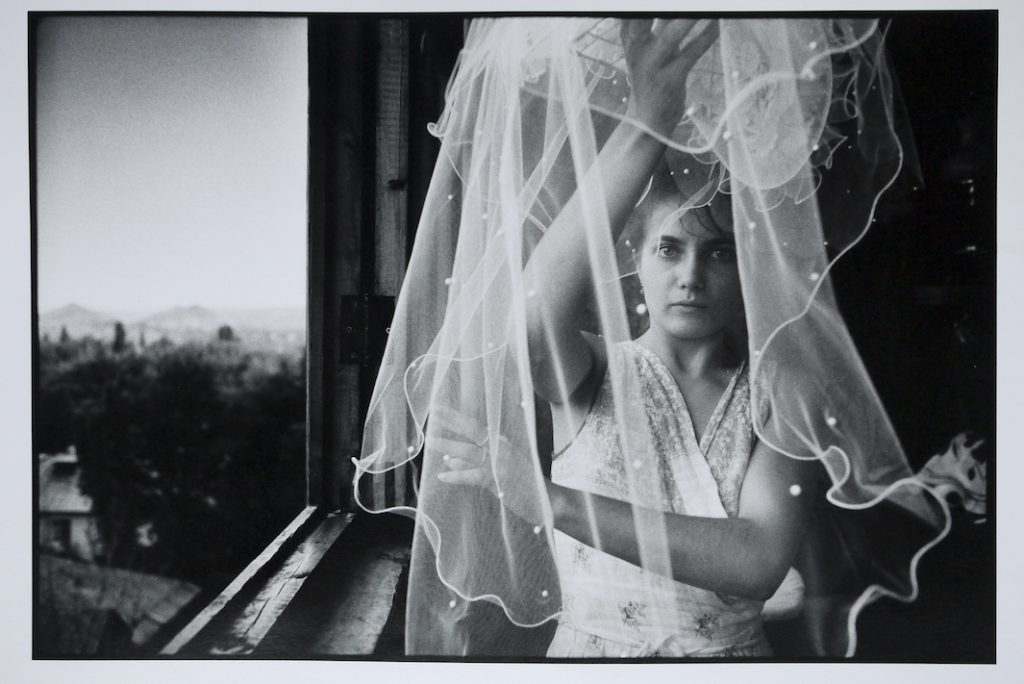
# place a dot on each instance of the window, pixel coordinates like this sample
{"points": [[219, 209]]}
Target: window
{"points": [[171, 100], [63, 470], [60, 534], [171, 172], [374, 85]]}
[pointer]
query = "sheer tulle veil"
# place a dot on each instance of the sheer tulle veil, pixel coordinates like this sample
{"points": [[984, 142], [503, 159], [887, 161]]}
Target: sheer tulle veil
{"points": [[794, 122]]}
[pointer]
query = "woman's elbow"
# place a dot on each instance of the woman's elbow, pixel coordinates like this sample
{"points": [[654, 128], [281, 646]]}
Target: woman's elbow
{"points": [[764, 576], [772, 575], [748, 579], [765, 589], [756, 585]]}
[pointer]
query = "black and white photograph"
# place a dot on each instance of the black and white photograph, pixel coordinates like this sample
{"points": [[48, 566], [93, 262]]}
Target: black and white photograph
{"points": [[584, 336]]}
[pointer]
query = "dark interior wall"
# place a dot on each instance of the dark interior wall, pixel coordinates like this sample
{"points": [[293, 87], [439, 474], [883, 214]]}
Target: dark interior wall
{"points": [[919, 293]]}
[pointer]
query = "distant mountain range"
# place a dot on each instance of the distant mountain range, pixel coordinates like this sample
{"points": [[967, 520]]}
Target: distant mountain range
{"points": [[179, 324], [76, 319]]}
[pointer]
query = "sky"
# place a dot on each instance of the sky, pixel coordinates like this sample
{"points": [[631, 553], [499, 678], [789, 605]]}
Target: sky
{"points": [[171, 162]]}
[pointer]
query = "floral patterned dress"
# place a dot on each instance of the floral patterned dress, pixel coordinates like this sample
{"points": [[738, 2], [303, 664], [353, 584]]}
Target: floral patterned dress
{"points": [[612, 608]]}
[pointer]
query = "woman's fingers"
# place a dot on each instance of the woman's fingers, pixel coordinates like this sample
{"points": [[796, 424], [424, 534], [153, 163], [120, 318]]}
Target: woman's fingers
{"points": [[454, 449], [457, 423], [455, 463], [636, 36], [463, 472], [671, 37], [639, 42], [696, 48], [472, 477], [633, 33], [649, 53]]}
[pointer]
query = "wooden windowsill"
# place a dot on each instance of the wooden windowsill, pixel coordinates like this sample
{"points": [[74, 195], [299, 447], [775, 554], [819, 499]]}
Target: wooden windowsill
{"points": [[325, 588]]}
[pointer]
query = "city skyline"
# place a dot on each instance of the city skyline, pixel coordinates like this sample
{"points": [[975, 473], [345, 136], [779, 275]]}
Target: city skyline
{"points": [[148, 311]]}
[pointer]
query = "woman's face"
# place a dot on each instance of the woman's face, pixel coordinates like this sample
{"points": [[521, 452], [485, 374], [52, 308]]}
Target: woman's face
{"points": [[690, 277]]}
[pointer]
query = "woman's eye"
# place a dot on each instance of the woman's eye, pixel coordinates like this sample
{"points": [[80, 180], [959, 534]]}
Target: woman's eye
{"points": [[667, 251], [723, 254]]}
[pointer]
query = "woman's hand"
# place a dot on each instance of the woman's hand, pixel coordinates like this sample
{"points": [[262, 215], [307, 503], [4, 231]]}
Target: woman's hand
{"points": [[471, 458], [658, 68]]}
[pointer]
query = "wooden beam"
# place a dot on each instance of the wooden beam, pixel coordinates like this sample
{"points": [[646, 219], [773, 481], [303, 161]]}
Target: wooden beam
{"points": [[360, 618], [340, 124], [345, 606], [251, 576], [316, 278], [263, 611], [392, 172], [392, 181]]}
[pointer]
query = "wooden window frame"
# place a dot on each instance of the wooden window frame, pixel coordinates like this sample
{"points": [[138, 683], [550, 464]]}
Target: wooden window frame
{"points": [[359, 239]]}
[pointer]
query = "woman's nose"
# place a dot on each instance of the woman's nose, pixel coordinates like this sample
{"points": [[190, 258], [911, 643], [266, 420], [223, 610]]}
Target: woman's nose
{"points": [[690, 273]]}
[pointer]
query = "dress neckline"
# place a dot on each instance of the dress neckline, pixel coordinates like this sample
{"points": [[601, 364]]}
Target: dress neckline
{"points": [[711, 429]]}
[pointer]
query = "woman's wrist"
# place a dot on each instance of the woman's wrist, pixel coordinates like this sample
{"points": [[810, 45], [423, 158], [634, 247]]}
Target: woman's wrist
{"points": [[648, 123], [637, 146]]}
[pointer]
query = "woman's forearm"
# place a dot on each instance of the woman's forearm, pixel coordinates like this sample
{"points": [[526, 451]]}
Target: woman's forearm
{"points": [[558, 273], [734, 556], [621, 171]]}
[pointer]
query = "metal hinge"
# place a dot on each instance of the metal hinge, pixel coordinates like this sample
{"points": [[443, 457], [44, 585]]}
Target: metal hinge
{"points": [[365, 324]]}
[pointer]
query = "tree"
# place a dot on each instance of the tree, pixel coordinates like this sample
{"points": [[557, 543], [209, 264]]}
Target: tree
{"points": [[190, 443], [64, 337], [225, 333], [119, 338]]}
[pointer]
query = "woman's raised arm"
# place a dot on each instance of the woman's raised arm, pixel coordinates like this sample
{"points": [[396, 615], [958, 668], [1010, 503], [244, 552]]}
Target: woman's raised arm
{"points": [[558, 271]]}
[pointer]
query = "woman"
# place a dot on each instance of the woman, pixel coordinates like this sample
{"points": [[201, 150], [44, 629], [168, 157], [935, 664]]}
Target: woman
{"points": [[688, 271], [677, 501]]}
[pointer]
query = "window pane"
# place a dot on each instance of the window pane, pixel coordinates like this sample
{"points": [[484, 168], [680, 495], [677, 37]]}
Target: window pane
{"points": [[171, 223]]}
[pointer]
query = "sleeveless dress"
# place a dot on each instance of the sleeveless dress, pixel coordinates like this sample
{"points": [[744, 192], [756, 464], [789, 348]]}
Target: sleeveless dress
{"points": [[612, 608]]}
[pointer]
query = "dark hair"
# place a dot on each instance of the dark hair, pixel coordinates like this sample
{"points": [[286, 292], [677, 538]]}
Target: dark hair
{"points": [[715, 215]]}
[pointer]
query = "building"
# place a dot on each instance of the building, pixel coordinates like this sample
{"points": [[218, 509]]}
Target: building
{"points": [[67, 525], [86, 608]]}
